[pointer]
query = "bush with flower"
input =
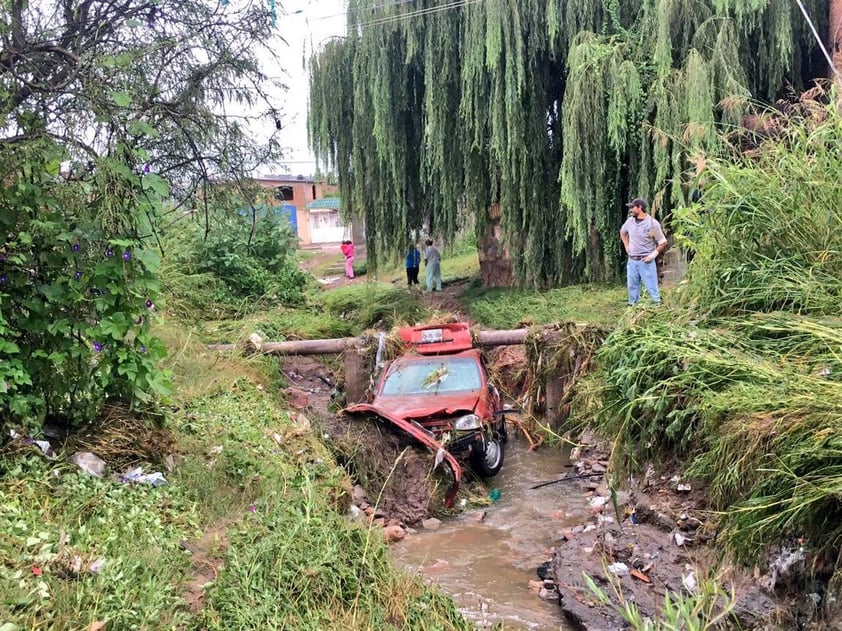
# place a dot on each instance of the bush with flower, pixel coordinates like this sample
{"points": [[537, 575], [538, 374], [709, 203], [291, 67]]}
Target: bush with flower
{"points": [[78, 291]]}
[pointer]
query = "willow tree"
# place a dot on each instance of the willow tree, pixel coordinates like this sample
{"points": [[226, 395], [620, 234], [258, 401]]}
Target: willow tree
{"points": [[538, 118]]}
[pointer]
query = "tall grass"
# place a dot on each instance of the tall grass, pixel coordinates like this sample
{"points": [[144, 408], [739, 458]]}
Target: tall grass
{"points": [[740, 372], [373, 305], [768, 230], [499, 308]]}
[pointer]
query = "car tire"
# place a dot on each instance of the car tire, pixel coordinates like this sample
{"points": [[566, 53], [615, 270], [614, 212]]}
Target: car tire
{"points": [[487, 457]]}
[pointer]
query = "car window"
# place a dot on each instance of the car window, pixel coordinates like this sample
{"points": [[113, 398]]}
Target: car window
{"points": [[434, 375]]}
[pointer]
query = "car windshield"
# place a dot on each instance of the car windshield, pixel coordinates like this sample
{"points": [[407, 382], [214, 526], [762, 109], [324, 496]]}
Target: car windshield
{"points": [[434, 375]]}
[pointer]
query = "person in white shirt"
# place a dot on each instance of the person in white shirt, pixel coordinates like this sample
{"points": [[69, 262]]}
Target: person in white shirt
{"points": [[644, 240], [432, 261]]}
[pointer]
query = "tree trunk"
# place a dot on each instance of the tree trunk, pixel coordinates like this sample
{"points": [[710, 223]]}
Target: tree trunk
{"points": [[507, 337], [495, 262]]}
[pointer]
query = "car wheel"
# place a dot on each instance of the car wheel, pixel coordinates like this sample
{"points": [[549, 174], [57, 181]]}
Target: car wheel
{"points": [[487, 457]]}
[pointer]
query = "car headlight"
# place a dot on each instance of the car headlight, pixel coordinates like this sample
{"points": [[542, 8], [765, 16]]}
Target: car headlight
{"points": [[469, 421]]}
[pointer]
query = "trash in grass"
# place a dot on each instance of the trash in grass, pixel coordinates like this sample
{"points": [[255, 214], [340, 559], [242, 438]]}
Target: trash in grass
{"points": [[89, 463], [43, 445], [138, 476], [96, 566], [618, 569]]}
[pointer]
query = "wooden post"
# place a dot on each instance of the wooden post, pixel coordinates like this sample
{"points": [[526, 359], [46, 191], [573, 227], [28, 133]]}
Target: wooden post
{"points": [[555, 385], [356, 374], [341, 344]]}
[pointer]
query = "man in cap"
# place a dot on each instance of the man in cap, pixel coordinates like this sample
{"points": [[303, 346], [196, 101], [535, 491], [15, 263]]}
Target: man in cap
{"points": [[644, 240]]}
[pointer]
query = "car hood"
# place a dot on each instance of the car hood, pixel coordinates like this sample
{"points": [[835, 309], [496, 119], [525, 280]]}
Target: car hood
{"points": [[422, 405]]}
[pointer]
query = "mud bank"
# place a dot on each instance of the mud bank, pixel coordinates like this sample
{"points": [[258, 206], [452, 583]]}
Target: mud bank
{"points": [[655, 540]]}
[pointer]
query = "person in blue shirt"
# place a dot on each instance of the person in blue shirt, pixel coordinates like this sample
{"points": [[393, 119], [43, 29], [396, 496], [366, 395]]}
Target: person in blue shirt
{"points": [[413, 263]]}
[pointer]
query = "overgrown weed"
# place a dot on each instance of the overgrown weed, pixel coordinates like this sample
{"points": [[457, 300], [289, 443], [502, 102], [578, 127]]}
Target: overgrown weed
{"points": [[500, 308], [739, 373]]}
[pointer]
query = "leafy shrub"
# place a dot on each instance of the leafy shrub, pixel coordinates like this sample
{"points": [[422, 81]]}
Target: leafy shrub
{"points": [[77, 289], [238, 258]]}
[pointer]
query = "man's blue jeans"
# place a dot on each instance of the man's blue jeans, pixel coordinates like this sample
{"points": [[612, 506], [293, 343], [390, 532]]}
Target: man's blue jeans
{"points": [[638, 272]]}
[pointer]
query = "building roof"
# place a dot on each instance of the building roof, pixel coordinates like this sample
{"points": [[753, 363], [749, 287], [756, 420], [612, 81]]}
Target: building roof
{"points": [[326, 203], [287, 179]]}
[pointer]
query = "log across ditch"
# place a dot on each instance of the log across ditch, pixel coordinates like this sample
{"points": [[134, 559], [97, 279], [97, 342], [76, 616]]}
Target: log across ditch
{"points": [[341, 344], [556, 356]]}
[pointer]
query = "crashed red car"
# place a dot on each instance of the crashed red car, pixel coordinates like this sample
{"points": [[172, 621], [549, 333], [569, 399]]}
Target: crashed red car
{"points": [[439, 394]]}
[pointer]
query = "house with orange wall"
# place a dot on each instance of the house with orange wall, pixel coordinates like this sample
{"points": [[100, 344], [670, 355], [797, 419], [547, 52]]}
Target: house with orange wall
{"points": [[315, 206]]}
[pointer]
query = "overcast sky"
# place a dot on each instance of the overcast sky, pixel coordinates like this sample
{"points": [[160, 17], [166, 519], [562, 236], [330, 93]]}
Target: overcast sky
{"points": [[305, 25]]}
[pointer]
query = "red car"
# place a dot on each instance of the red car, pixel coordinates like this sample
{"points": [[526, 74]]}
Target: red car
{"points": [[438, 393]]}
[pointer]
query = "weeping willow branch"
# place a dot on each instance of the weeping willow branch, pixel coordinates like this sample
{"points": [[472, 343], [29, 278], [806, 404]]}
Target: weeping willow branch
{"points": [[554, 112]]}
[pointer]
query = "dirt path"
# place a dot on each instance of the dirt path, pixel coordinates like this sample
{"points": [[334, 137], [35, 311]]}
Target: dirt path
{"points": [[327, 265]]}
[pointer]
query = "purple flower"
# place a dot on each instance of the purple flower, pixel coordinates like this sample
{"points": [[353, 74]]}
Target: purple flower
{"points": [[76, 247], [142, 348], [127, 256], [97, 347], [149, 304], [78, 274], [139, 320], [3, 279], [109, 252], [252, 508], [146, 168]]}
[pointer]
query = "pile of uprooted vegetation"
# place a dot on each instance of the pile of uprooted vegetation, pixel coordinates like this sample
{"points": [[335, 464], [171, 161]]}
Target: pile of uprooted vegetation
{"points": [[740, 375]]}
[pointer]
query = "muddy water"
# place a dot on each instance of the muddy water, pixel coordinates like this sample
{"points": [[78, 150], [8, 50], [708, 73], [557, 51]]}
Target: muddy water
{"points": [[486, 565]]}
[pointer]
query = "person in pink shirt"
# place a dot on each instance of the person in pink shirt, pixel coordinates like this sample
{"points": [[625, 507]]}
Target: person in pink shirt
{"points": [[347, 248]]}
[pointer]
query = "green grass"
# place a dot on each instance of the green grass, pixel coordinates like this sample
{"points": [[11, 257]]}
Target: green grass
{"points": [[459, 267], [503, 308], [49, 520], [373, 305], [311, 322], [265, 492]]}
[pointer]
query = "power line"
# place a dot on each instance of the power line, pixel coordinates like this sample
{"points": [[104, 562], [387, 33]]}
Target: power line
{"points": [[361, 9], [418, 13], [818, 39]]}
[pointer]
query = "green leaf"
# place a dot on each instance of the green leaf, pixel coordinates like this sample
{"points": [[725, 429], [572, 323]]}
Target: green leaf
{"points": [[121, 99], [142, 128], [158, 184]]}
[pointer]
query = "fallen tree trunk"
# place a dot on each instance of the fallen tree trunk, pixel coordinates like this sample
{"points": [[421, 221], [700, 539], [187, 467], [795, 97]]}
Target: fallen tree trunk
{"points": [[294, 347], [341, 344]]}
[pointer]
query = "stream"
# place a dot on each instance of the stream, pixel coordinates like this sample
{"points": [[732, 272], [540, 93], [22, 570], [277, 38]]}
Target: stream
{"points": [[485, 564]]}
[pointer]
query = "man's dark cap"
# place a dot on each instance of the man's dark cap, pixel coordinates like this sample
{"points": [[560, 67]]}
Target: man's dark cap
{"points": [[637, 201]]}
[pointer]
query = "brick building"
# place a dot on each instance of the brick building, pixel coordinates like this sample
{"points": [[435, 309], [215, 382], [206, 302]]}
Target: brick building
{"points": [[313, 206]]}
